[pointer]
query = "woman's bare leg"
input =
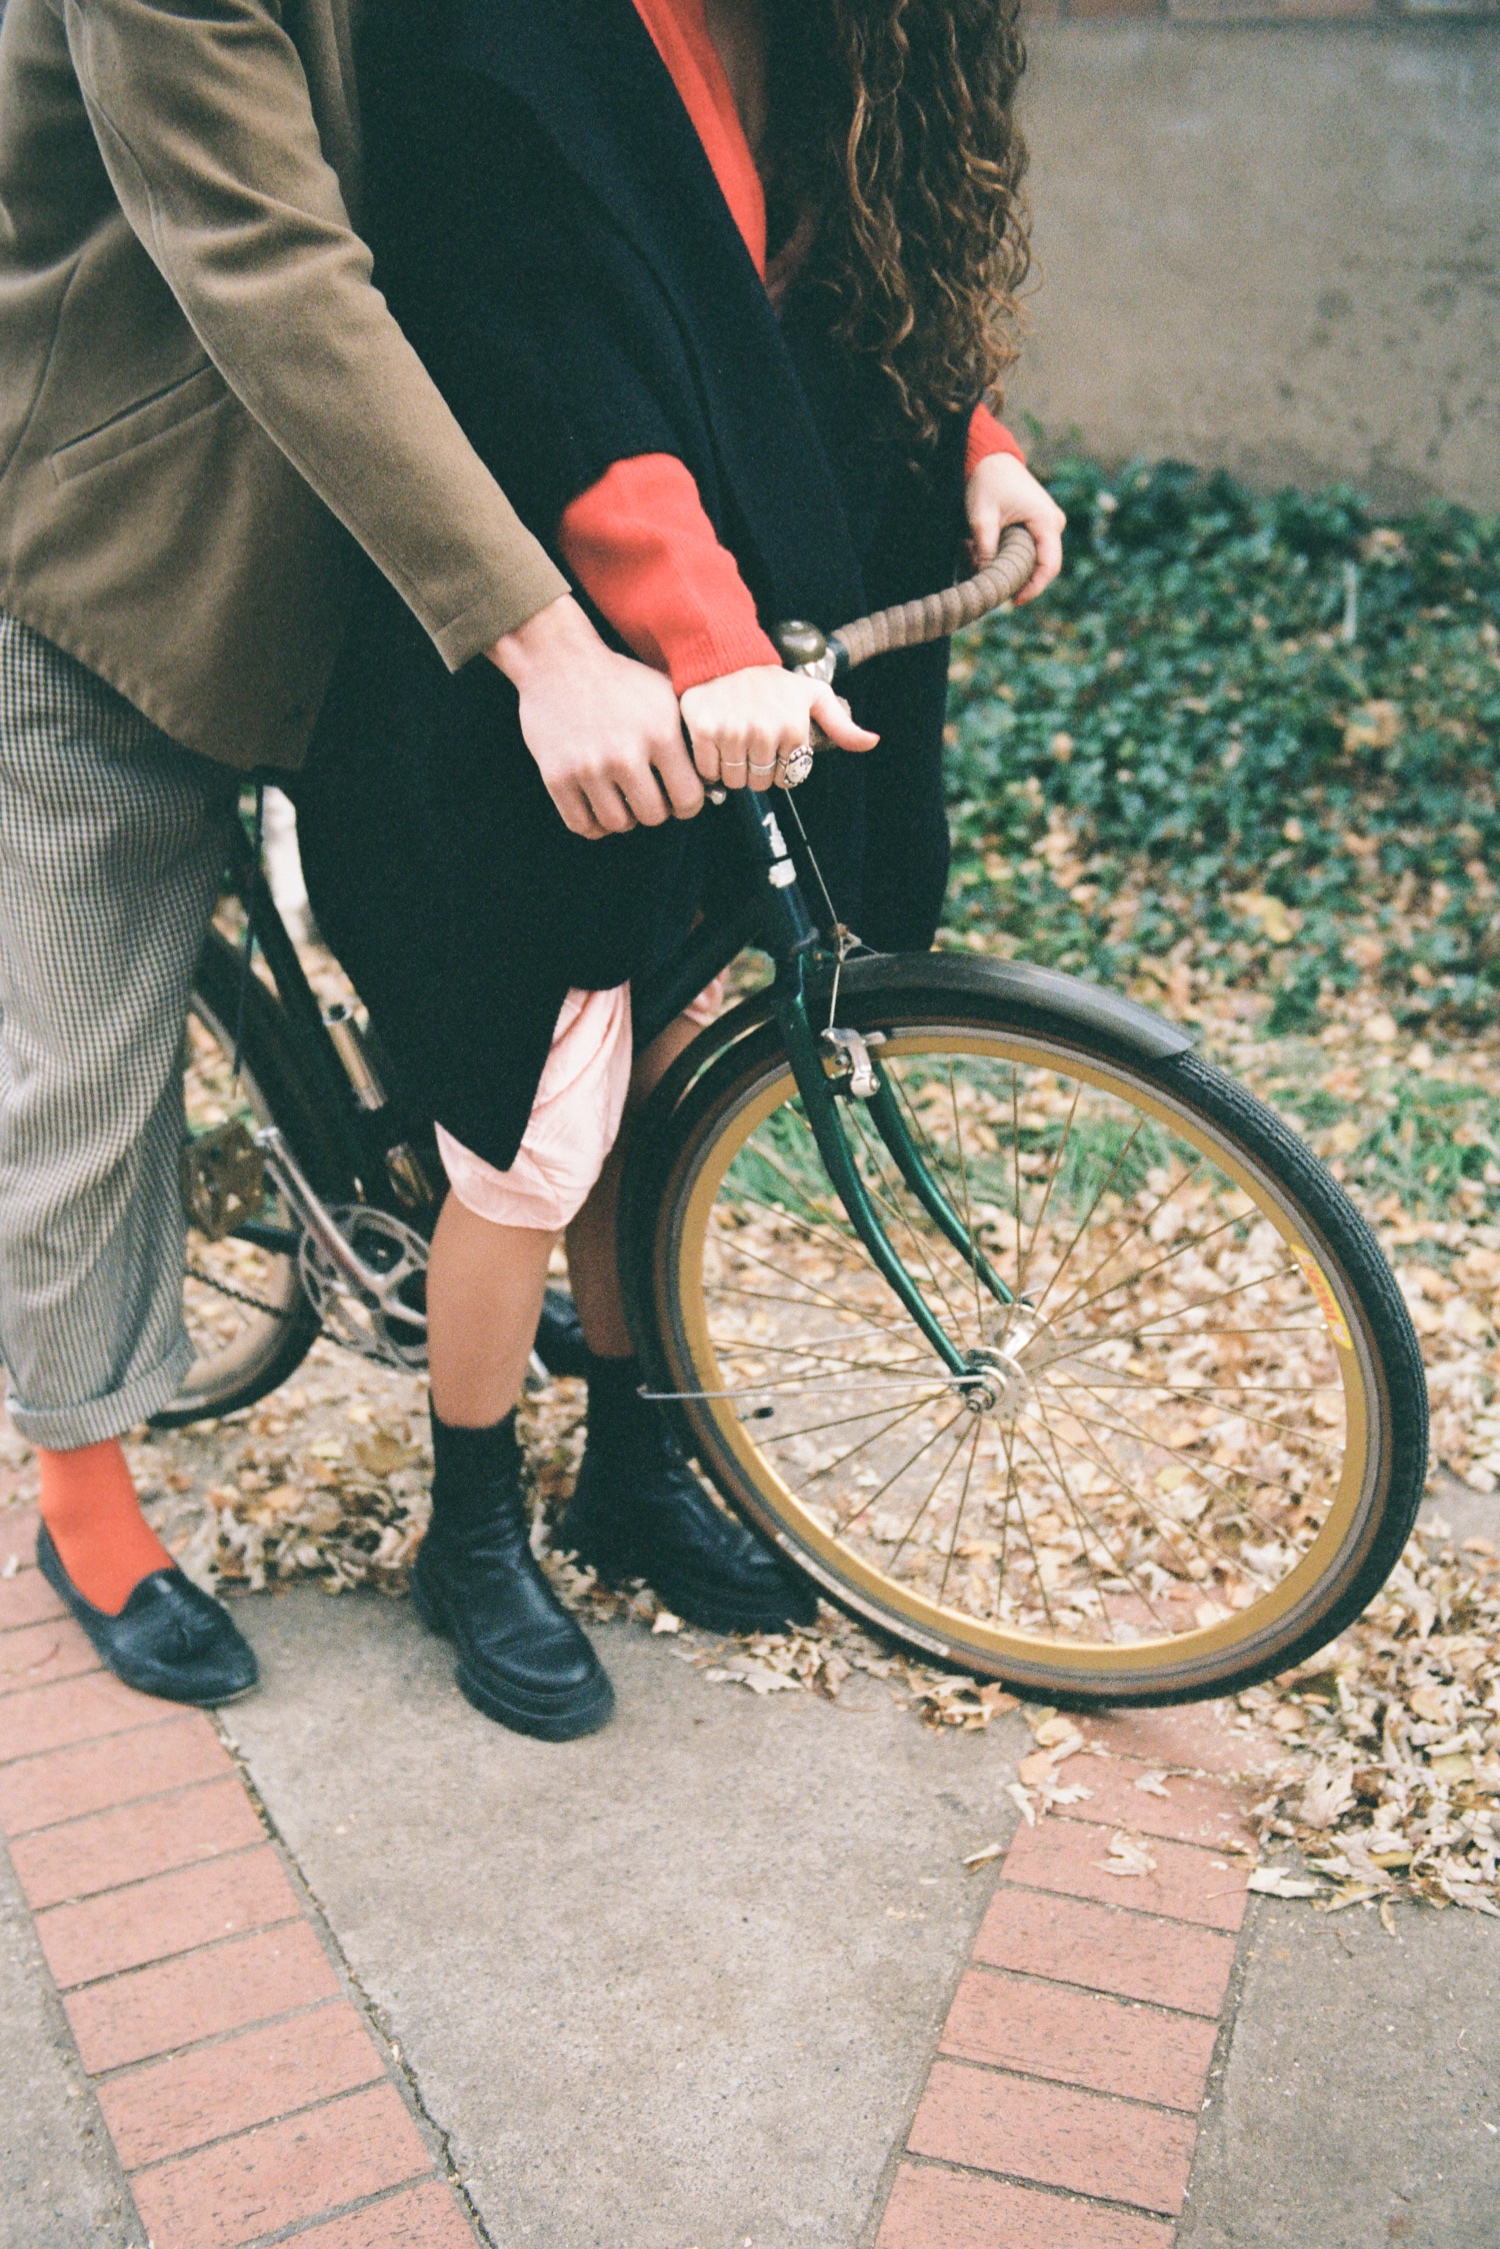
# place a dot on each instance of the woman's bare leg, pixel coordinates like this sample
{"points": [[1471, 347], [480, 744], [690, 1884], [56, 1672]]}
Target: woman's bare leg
{"points": [[593, 1267], [484, 1297]]}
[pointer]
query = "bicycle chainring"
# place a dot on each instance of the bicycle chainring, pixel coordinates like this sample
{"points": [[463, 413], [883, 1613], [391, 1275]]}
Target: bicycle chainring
{"points": [[355, 1317]]}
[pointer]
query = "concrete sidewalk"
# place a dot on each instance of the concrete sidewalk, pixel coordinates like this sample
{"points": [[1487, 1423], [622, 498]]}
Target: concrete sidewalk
{"points": [[386, 1977]]}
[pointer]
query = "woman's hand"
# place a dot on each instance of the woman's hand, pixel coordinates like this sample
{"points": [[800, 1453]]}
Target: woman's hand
{"points": [[742, 725], [1001, 491]]}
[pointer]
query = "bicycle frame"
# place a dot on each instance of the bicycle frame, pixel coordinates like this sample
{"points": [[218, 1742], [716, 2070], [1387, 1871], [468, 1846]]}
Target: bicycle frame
{"points": [[826, 1068]]}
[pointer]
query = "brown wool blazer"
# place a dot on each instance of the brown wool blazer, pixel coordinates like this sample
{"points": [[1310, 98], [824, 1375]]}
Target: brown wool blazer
{"points": [[199, 384]]}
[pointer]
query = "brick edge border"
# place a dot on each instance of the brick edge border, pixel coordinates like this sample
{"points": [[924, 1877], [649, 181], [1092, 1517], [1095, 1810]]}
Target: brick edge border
{"points": [[243, 2079], [1062, 2107]]}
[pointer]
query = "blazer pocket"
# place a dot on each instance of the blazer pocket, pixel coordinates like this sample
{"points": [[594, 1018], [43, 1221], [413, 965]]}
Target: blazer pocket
{"points": [[150, 417]]}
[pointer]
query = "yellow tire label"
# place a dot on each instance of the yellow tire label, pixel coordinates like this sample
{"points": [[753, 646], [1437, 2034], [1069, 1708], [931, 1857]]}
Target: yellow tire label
{"points": [[1328, 1303]]}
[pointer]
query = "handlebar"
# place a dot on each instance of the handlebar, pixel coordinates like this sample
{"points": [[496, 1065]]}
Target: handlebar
{"points": [[911, 623]]}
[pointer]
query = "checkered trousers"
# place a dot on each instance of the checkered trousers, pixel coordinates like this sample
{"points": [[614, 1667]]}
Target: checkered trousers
{"points": [[111, 846]]}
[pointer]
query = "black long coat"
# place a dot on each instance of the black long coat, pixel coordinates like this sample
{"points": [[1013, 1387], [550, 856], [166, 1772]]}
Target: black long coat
{"points": [[550, 233]]}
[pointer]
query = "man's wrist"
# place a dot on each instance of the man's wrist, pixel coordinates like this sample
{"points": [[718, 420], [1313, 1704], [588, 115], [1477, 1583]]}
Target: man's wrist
{"points": [[548, 635]]}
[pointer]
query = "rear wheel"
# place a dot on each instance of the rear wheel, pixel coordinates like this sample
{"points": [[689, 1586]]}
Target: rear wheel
{"points": [[1199, 1444], [247, 1313]]}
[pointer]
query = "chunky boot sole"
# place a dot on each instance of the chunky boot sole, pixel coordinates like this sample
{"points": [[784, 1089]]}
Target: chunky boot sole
{"points": [[706, 1602], [565, 1717]]}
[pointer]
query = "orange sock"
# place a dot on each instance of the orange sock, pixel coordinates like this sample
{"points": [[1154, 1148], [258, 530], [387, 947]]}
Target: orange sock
{"points": [[88, 1502]]}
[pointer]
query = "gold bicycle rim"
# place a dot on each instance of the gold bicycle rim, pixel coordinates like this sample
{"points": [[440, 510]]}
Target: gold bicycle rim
{"points": [[1307, 1588]]}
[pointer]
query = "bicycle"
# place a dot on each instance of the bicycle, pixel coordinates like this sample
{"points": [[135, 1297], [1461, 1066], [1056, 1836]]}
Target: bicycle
{"points": [[1030, 1336]]}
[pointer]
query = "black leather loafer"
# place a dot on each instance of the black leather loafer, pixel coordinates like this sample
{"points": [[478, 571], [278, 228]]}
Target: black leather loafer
{"points": [[170, 1639], [521, 1658], [638, 1510]]}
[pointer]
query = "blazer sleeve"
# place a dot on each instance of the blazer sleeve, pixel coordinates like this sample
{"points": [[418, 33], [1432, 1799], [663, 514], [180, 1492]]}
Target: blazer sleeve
{"points": [[203, 118]]}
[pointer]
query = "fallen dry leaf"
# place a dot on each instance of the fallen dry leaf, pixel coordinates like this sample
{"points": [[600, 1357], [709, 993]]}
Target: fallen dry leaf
{"points": [[1128, 1855], [1275, 1882]]}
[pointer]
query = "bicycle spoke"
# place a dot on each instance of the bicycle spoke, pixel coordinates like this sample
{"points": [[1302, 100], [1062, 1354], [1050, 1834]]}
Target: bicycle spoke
{"points": [[1144, 1272], [1088, 1216], [844, 1421], [1129, 1335], [1207, 1470], [958, 1445], [909, 1462], [963, 1172], [838, 1302], [1052, 1178], [873, 1438], [1120, 1567], [963, 1501], [1257, 1421]]}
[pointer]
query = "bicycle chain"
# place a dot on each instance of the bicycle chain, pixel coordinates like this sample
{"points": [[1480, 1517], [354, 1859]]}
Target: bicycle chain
{"points": [[273, 1311]]}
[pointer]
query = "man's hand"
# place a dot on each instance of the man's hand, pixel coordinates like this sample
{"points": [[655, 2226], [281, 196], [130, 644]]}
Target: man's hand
{"points": [[743, 724], [1003, 491], [603, 729]]}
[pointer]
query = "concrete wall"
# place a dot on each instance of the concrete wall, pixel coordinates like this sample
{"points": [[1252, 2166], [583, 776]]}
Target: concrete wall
{"points": [[1270, 247]]}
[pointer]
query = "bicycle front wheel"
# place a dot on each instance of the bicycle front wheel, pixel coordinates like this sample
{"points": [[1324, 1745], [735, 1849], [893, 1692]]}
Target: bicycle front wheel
{"points": [[1200, 1442]]}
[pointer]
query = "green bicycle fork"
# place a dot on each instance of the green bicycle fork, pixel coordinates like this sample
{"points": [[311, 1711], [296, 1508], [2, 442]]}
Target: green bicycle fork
{"points": [[794, 945]]}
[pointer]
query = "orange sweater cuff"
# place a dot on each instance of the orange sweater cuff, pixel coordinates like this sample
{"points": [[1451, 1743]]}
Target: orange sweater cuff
{"points": [[645, 553]]}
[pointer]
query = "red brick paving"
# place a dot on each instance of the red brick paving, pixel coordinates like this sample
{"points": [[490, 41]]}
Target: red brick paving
{"points": [[1080, 2038], [1187, 1885], [247, 2095], [18, 1527], [1063, 2106], [989, 2121], [171, 1913], [55, 1649], [133, 1841], [1107, 1949], [93, 1776], [38, 1718], [278, 2174], [210, 2092], [154, 2010], [26, 1599], [420, 2217], [1191, 1811], [1197, 1735], [244, 2092], [961, 2211]]}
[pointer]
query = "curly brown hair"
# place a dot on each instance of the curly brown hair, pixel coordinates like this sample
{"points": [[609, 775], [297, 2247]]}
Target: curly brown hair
{"points": [[891, 128]]}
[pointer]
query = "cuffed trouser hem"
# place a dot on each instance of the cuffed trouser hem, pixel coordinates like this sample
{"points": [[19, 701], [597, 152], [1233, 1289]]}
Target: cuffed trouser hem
{"points": [[65, 1428]]}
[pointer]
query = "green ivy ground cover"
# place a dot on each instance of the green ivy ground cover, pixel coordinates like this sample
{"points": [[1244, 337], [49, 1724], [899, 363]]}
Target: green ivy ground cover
{"points": [[1244, 760], [1263, 730]]}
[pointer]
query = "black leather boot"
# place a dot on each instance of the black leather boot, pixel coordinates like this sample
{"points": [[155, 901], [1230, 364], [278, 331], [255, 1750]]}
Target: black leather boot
{"points": [[170, 1639], [521, 1658], [638, 1510]]}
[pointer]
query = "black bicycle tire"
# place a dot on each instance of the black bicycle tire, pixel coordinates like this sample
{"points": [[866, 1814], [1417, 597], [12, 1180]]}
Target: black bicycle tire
{"points": [[709, 1081], [270, 1058]]}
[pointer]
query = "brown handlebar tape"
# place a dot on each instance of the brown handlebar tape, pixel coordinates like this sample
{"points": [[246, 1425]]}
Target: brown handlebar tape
{"points": [[911, 623]]}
